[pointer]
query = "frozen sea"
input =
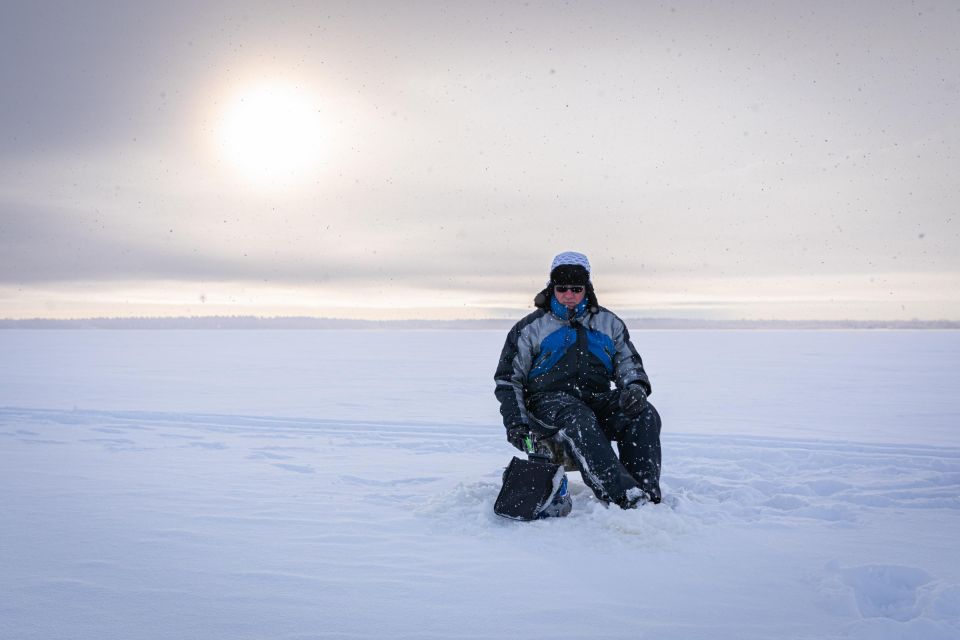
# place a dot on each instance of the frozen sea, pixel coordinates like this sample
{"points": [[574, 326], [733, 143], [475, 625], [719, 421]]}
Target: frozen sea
{"points": [[339, 484]]}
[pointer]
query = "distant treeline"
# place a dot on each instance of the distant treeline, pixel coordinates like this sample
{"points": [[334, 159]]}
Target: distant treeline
{"points": [[307, 323]]}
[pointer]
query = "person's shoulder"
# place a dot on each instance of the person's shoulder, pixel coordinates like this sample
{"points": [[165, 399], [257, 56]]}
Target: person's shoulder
{"points": [[529, 319], [607, 313], [608, 319], [526, 322]]}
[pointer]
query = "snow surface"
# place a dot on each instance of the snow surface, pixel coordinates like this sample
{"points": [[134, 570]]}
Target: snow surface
{"points": [[340, 484]]}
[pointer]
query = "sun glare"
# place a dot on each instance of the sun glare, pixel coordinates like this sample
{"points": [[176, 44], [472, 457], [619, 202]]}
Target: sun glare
{"points": [[271, 134]]}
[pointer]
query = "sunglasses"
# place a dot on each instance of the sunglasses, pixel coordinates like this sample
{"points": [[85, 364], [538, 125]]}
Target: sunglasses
{"points": [[563, 288]]}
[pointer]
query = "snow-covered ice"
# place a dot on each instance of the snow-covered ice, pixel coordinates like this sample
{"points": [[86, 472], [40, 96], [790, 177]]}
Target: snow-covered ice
{"points": [[334, 484]]}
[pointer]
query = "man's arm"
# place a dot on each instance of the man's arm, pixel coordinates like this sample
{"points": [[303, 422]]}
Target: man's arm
{"points": [[628, 365], [509, 389], [511, 376]]}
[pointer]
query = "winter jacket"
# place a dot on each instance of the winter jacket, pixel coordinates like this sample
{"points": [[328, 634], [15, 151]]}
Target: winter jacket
{"points": [[580, 351]]}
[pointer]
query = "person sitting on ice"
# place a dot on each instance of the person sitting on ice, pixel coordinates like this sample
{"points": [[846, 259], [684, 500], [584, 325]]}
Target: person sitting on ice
{"points": [[570, 379]]}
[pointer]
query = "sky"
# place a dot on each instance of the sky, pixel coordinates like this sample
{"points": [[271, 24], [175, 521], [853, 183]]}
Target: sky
{"points": [[388, 160]]}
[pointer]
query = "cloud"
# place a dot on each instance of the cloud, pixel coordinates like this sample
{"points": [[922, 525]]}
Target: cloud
{"points": [[465, 146]]}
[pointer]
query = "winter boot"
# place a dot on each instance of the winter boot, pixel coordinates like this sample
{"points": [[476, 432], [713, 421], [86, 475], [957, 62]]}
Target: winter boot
{"points": [[633, 498], [561, 504]]}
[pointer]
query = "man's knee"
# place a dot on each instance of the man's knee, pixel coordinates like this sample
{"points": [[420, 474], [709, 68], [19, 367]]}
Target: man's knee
{"points": [[560, 411], [648, 421], [577, 416]]}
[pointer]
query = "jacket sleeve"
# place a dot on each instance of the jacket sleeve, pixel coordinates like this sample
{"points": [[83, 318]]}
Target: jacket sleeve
{"points": [[511, 377], [628, 365]]}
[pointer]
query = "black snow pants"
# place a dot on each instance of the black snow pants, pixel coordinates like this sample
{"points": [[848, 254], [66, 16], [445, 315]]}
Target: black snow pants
{"points": [[585, 429]]}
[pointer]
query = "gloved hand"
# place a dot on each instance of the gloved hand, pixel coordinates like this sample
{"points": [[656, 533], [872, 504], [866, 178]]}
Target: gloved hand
{"points": [[517, 434], [633, 400]]}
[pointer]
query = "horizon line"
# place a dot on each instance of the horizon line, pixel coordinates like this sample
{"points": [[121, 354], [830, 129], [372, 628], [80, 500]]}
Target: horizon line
{"points": [[248, 321]]}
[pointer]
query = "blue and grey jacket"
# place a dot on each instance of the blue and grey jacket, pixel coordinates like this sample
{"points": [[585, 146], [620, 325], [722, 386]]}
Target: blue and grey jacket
{"points": [[579, 351]]}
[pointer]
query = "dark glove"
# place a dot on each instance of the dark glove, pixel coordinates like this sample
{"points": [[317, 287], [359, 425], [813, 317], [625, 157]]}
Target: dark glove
{"points": [[517, 435], [633, 400]]}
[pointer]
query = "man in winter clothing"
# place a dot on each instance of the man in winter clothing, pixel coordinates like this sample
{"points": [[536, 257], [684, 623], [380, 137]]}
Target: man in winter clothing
{"points": [[570, 377]]}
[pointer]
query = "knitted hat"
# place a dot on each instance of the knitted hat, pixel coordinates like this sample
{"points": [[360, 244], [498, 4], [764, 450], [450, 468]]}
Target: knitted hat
{"points": [[570, 257], [570, 267]]}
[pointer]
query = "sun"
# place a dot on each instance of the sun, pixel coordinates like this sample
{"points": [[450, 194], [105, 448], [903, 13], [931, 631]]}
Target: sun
{"points": [[271, 134]]}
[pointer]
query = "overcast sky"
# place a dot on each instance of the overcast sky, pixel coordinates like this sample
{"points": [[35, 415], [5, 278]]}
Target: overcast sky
{"points": [[428, 159]]}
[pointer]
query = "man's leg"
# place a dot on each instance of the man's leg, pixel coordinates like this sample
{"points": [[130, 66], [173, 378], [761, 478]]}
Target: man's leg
{"points": [[638, 440], [575, 426]]}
